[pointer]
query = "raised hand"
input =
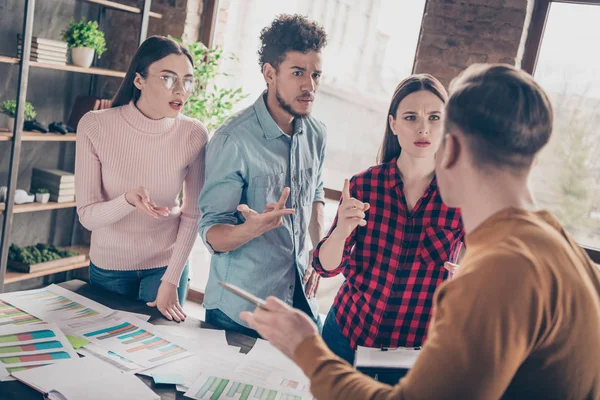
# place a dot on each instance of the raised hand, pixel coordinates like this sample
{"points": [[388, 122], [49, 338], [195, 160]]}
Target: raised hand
{"points": [[271, 217], [140, 198], [351, 213]]}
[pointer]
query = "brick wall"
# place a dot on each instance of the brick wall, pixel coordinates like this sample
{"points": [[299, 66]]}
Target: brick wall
{"points": [[181, 19], [456, 34]]}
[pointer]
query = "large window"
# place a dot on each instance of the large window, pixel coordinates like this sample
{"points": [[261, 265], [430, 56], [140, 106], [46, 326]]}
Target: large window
{"points": [[371, 47], [566, 179]]}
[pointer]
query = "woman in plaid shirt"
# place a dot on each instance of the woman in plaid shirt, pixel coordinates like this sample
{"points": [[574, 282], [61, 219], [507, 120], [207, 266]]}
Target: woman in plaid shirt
{"points": [[392, 238]]}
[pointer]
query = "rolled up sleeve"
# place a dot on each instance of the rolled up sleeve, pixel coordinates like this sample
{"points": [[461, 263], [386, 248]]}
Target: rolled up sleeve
{"points": [[226, 170]]}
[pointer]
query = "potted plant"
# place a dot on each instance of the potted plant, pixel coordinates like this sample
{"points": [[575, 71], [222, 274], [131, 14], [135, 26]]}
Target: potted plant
{"points": [[9, 107], [84, 38], [42, 195], [210, 104]]}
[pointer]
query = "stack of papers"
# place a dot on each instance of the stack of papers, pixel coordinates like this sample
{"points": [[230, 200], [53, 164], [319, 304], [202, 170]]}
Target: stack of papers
{"points": [[263, 373]]}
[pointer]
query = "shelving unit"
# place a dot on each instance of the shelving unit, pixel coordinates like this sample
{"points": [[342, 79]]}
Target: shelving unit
{"points": [[14, 276], [6, 136], [33, 207], [71, 68], [18, 136]]}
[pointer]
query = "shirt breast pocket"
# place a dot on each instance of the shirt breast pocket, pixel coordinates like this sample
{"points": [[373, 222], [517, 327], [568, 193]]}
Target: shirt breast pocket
{"points": [[266, 189], [307, 186], [438, 245]]}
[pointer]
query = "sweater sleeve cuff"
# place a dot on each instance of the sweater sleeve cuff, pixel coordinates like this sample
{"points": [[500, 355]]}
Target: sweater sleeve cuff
{"points": [[311, 353]]}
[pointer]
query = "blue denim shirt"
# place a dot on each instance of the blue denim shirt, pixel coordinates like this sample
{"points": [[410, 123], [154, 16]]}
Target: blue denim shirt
{"points": [[250, 161]]}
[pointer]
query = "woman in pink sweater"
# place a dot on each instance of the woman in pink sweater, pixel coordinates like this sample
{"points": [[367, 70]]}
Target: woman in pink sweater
{"points": [[132, 161]]}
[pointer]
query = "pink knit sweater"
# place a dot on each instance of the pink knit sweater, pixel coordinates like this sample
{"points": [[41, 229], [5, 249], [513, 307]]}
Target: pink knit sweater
{"points": [[120, 149]]}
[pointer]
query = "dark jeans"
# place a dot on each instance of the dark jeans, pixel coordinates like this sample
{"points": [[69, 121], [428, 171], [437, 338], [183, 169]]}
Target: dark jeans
{"points": [[141, 284], [335, 339], [219, 319]]}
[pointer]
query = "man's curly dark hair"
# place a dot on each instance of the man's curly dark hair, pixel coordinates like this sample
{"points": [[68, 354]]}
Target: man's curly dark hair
{"points": [[289, 33]]}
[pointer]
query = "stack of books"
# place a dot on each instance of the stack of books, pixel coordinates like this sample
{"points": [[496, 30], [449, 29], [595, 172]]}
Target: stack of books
{"points": [[60, 184], [45, 51]]}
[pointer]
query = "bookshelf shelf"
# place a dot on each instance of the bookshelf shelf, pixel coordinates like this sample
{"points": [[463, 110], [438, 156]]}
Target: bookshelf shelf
{"points": [[14, 276], [118, 6], [33, 207], [71, 68], [28, 43], [38, 137]]}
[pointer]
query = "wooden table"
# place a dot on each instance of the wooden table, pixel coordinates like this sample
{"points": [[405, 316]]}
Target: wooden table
{"points": [[15, 390]]}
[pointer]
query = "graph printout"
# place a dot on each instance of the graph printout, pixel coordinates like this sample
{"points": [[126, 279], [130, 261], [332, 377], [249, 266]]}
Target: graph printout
{"points": [[216, 388], [54, 304], [31, 346], [12, 316], [134, 340]]}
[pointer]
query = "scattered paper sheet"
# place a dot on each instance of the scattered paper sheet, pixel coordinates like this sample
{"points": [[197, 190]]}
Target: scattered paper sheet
{"points": [[86, 378], [54, 304], [389, 358], [32, 346], [135, 340]]}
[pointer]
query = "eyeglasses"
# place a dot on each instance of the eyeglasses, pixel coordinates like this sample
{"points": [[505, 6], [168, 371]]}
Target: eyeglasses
{"points": [[170, 82]]}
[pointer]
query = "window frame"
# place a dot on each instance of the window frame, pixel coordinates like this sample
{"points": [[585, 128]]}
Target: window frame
{"points": [[535, 35], [533, 44]]}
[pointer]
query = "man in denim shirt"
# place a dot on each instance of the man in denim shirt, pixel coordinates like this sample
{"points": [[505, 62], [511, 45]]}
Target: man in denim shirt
{"points": [[264, 194]]}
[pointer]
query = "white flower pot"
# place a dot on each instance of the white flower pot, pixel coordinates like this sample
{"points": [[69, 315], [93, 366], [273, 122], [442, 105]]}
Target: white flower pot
{"points": [[42, 197], [82, 56], [11, 124]]}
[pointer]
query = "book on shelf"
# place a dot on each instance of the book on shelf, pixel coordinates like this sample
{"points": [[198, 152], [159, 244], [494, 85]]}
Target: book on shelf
{"points": [[47, 61], [61, 199], [52, 186], [44, 57], [55, 51], [52, 190], [45, 42], [54, 175]]}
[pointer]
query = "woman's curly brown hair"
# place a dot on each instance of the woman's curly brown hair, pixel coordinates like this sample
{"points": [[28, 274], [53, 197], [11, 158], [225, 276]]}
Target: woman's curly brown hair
{"points": [[289, 33]]}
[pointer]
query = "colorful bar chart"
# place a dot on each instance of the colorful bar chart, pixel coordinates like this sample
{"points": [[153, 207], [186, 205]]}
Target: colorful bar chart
{"points": [[21, 337], [10, 315], [219, 388], [31, 347], [24, 347], [54, 304], [134, 340], [17, 369], [59, 355]]}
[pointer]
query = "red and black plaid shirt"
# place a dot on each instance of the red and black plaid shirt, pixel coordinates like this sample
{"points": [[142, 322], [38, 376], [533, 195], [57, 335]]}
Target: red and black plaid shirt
{"points": [[394, 264]]}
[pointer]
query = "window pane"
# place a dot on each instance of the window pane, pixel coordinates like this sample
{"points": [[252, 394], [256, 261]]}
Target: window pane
{"points": [[566, 179], [371, 47]]}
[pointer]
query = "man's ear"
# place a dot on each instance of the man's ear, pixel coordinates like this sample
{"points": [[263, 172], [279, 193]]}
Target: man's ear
{"points": [[451, 151], [138, 81], [269, 73]]}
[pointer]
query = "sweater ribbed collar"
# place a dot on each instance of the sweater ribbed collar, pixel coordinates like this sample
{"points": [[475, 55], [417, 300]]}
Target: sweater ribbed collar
{"points": [[134, 117]]}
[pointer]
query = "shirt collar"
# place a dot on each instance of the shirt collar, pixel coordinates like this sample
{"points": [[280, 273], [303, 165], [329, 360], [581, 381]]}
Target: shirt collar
{"points": [[268, 124], [394, 178]]}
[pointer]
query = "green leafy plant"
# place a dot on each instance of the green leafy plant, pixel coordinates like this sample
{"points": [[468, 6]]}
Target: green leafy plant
{"points": [[42, 191], [210, 104], [9, 107], [39, 253], [85, 34]]}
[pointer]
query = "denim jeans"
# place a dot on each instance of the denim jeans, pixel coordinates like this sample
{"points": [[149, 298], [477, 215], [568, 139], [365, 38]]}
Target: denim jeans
{"points": [[335, 339], [140, 284], [219, 319]]}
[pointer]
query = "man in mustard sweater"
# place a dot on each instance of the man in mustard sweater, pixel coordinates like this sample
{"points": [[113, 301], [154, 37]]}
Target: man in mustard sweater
{"points": [[521, 318]]}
